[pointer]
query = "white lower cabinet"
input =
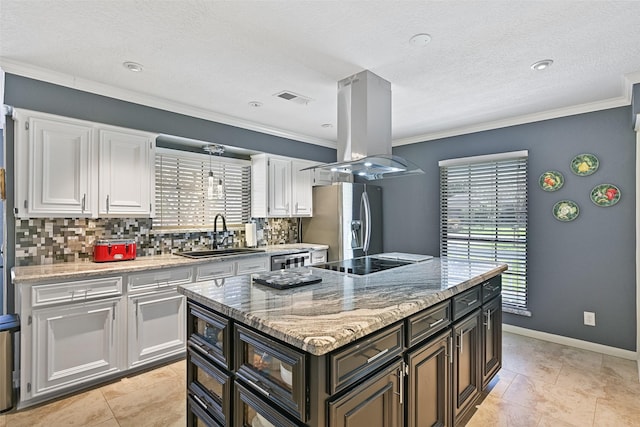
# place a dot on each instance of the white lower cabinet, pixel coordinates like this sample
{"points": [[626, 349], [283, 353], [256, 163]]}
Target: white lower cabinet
{"points": [[156, 326], [74, 344]]}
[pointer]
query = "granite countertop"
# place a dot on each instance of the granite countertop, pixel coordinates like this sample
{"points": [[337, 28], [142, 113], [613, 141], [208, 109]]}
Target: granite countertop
{"points": [[325, 316], [86, 269]]}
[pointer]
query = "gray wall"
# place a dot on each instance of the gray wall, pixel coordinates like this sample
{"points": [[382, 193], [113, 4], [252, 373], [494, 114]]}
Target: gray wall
{"points": [[22, 92], [584, 265]]}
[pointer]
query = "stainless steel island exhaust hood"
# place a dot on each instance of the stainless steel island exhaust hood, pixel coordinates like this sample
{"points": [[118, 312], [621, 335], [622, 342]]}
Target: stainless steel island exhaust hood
{"points": [[364, 130]]}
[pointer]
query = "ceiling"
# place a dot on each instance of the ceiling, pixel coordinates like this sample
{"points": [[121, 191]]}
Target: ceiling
{"points": [[212, 58]]}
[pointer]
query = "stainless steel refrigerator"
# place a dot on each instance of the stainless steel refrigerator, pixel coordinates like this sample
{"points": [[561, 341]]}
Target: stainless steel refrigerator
{"points": [[348, 218]]}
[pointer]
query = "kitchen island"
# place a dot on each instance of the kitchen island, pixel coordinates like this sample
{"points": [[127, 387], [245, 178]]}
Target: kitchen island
{"points": [[350, 349]]}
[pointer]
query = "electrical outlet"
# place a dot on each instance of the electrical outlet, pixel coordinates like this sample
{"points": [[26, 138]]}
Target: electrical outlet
{"points": [[589, 318]]}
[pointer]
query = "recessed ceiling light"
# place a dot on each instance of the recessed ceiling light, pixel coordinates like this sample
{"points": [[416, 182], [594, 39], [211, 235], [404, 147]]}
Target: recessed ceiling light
{"points": [[255, 104], [420, 39], [132, 66], [541, 65], [326, 125]]}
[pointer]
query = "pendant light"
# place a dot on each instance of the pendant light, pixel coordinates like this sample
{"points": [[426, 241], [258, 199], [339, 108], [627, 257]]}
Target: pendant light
{"points": [[213, 188]]}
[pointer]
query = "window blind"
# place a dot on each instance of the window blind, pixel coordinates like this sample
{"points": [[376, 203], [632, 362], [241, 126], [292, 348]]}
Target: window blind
{"points": [[182, 196], [484, 217]]}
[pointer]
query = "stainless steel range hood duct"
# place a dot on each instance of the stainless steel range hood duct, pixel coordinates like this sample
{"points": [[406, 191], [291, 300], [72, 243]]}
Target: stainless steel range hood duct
{"points": [[364, 130]]}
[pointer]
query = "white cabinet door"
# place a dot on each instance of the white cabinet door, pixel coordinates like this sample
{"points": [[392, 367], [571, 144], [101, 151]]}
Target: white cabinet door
{"points": [[74, 344], [279, 187], [61, 164], [157, 326], [302, 185], [126, 181]]}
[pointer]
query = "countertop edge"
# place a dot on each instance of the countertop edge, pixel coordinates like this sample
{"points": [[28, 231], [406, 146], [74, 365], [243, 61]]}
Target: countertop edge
{"points": [[25, 275], [319, 346]]}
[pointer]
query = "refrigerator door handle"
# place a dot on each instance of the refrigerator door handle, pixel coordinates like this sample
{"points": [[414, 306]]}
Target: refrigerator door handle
{"points": [[367, 228]]}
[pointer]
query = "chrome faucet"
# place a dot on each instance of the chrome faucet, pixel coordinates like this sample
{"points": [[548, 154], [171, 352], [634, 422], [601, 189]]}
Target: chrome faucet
{"points": [[214, 240]]}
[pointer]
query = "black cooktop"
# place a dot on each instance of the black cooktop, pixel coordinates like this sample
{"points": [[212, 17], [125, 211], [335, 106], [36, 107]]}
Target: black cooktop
{"points": [[363, 265]]}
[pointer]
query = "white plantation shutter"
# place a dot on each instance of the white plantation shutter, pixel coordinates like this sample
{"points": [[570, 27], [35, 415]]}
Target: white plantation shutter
{"points": [[483, 202], [182, 184]]}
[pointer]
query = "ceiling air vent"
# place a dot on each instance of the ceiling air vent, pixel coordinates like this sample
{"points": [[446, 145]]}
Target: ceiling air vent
{"points": [[293, 97]]}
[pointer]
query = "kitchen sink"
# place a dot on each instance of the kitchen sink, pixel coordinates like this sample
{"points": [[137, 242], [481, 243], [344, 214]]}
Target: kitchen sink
{"points": [[218, 252]]}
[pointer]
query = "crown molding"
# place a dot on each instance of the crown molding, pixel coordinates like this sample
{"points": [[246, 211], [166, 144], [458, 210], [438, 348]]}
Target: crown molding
{"points": [[73, 82], [518, 120]]}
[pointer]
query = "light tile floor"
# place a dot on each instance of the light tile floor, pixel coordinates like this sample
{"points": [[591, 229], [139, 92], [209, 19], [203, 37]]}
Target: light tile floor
{"points": [[541, 384]]}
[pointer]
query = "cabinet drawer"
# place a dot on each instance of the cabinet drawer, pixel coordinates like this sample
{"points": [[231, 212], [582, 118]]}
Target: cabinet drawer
{"points": [[466, 302], [209, 333], [215, 270], [272, 369], [197, 416], [251, 410], [75, 291], [160, 278], [491, 288], [210, 387], [359, 359], [253, 265], [428, 322]]}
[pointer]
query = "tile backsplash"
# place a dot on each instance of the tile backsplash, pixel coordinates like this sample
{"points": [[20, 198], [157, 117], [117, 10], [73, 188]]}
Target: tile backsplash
{"points": [[57, 240]]}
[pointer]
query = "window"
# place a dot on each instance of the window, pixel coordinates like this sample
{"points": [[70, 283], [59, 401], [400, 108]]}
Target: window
{"points": [[183, 199], [483, 217]]}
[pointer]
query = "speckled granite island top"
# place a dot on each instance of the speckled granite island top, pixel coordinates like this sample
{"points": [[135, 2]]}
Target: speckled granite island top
{"points": [[325, 316], [78, 270]]}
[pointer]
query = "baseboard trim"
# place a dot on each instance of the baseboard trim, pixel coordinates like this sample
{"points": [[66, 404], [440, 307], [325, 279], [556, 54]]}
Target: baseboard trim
{"points": [[572, 342]]}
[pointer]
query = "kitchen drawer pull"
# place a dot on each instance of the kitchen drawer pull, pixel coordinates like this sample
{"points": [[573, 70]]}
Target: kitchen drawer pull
{"points": [[472, 302], [437, 322], [492, 289], [260, 389], [200, 348], [197, 399], [372, 358]]}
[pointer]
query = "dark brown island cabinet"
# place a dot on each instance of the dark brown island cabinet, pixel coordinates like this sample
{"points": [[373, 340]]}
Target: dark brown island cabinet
{"points": [[425, 370]]}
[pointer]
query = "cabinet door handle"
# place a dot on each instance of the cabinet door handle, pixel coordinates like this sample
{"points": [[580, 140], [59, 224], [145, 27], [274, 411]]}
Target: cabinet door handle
{"points": [[450, 342], [107, 204], [437, 322], [84, 200], [488, 324], [461, 336], [400, 374], [472, 302], [372, 358], [137, 323]]}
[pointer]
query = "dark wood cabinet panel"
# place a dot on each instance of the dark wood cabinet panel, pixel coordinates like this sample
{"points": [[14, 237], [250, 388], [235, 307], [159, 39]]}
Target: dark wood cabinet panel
{"points": [[466, 364], [428, 383], [491, 340], [378, 402]]}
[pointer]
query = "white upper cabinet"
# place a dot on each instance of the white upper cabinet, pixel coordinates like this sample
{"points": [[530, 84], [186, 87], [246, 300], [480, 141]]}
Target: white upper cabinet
{"points": [[126, 178], [301, 187], [279, 188], [59, 156], [73, 168]]}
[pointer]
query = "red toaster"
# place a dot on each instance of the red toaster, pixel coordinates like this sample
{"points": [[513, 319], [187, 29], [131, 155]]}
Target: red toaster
{"points": [[114, 250]]}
